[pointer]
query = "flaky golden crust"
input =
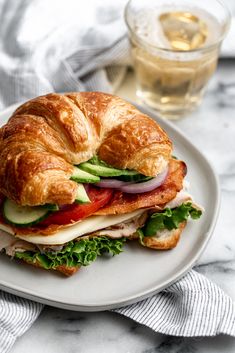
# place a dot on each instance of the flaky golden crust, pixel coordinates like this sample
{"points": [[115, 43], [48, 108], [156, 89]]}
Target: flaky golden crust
{"points": [[165, 243], [138, 143], [46, 136], [65, 270]]}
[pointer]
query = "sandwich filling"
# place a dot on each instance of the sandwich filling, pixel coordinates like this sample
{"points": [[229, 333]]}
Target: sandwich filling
{"points": [[83, 250], [109, 211]]}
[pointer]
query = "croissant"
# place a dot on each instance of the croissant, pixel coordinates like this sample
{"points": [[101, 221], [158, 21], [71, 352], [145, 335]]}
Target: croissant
{"points": [[46, 136]]}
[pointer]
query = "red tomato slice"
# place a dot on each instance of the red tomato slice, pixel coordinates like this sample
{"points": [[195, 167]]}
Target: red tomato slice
{"points": [[75, 212]]}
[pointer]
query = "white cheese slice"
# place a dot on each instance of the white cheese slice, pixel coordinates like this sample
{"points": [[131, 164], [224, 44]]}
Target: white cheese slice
{"points": [[86, 226]]}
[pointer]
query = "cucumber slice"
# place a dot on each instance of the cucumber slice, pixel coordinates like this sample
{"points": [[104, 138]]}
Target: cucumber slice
{"points": [[103, 171], [80, 176], [97, 161], [51, 207], [98, 167], [137, 178], [23, 215], [82, 196], [127, 174], [100, 170]]}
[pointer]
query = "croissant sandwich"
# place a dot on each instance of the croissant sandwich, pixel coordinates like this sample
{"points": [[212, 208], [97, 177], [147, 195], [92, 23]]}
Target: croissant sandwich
{"points": [[83, 173]]}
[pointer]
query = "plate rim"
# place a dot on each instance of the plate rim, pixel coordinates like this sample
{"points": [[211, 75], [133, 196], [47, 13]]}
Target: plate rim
{"points": [[28, 294]]}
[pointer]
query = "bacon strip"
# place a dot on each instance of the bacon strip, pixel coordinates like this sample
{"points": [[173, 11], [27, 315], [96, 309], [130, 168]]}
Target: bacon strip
{"points": [[124, 203]]}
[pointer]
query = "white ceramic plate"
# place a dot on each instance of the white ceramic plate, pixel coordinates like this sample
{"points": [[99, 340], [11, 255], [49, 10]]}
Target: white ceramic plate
{"points": [[137, 272]]}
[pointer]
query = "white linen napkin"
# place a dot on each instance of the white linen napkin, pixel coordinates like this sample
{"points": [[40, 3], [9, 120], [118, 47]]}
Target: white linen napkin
{"points": [[49, 46]]}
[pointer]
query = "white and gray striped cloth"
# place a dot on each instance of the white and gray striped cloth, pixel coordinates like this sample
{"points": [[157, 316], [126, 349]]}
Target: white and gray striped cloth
{"points": [[192, 307], [48, 46]]}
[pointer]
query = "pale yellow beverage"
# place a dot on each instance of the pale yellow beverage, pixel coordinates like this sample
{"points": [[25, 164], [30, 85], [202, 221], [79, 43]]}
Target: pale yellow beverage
{"points": [[175, 52]]}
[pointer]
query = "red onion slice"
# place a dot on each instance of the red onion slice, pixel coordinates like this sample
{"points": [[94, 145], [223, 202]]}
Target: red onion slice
{"points": [[139, 188], [112, 183]]}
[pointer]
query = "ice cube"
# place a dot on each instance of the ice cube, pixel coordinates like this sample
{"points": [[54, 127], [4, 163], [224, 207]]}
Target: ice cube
{"points": [[183, 30]]}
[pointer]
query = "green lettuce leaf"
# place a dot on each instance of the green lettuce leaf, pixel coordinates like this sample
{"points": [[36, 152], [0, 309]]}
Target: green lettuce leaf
{"points": [[75, 253], [170, 218], [83, 252]]}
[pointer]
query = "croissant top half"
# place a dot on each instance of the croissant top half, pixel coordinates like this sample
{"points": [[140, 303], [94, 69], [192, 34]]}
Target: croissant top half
{"points": [[47, 135]]}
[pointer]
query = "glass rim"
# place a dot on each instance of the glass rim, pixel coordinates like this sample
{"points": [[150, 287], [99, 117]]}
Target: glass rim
{"points": [[178, 51]]}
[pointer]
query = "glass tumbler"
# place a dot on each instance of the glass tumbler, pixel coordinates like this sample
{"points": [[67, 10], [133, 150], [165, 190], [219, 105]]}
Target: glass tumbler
{"points": [[175, 47]]}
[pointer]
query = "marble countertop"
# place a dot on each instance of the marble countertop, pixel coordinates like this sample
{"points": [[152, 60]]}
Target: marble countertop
{"points": [[212, 128]]}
